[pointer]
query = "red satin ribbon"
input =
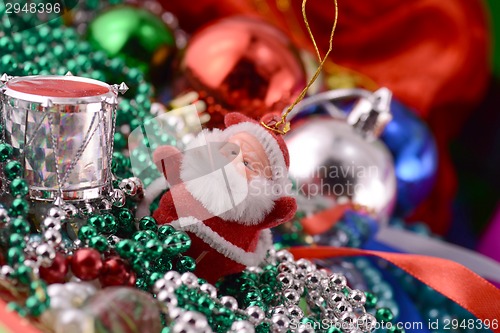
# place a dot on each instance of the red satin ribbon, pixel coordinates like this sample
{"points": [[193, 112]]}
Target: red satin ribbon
{"points": [[324, 220], [454, 281]]}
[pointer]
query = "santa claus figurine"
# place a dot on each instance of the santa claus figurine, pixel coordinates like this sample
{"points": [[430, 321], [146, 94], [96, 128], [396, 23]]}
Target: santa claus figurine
{"points": [[226, 190]]}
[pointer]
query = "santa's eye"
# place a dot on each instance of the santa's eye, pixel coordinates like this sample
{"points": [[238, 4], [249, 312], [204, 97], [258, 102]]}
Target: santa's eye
{"points": [[229, 151], [248, 165]]}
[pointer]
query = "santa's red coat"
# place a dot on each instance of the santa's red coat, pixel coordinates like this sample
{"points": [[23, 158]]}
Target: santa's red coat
{"points": [[211, 265]]}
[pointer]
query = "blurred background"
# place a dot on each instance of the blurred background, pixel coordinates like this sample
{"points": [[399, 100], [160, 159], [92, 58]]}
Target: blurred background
{"points": [[441, 59]]}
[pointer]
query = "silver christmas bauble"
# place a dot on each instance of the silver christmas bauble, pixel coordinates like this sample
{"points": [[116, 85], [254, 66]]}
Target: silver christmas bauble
{"points": [[331, 161]]}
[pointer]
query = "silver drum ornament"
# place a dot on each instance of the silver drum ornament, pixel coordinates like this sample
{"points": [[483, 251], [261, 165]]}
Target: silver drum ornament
{"points": [[62, 129]]}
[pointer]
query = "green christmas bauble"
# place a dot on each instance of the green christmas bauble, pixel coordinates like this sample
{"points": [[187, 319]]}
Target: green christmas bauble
{"points": [[136, 35]]}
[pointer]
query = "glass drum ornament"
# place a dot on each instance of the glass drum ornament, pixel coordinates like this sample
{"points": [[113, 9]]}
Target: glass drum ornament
{"points": [[62, 129]]}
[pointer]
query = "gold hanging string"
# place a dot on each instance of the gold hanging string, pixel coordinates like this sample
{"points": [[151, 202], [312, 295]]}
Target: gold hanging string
{"points": [[282, 126], [337, 76]]}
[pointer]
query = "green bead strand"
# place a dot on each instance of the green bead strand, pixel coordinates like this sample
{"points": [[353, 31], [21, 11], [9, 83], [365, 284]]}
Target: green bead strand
{"points": [[86, 232], [125, 248], [12, 306], [19, 207], [371, 300], [96, 221], [17, 240], [186, 264], [6, 150], [20, 226], [19, 187], [35, 306], [110, 225], [23, 274], [154, 249], [155, 276], [99, 243], [148, 223], [384, 315], [12, 170], [15, 255], [164, 231]]}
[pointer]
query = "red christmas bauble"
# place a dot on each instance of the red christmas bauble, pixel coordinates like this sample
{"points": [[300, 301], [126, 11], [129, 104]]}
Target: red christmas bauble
{"points": [[115, 272], [56, 273], [241, 64], [86, 264]]}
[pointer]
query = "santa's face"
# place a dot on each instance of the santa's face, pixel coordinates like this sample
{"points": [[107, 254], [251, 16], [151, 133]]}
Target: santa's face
{"points": [[250, 160], [230, 175]]}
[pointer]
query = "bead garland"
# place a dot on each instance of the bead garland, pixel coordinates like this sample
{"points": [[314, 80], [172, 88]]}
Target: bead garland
{"points": [[19, 265], [282, 280]]}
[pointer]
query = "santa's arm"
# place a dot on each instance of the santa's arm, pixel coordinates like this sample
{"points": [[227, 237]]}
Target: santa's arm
{"points": [[166, 212], [283, 211], [168, 161]]}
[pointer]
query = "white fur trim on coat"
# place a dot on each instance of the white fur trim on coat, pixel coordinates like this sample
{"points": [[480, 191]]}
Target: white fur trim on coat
{"points": [[221, 245]]}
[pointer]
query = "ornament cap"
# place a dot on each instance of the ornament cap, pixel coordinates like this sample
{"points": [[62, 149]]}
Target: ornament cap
{"points": [[121, 88], [371, 114], [5, 78], [382, 100]]}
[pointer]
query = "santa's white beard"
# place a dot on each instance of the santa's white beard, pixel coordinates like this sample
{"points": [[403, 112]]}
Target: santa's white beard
{"points": [[219, 187]]}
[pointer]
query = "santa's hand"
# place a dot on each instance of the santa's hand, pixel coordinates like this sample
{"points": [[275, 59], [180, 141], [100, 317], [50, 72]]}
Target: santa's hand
{"points": [[168, 161]]}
